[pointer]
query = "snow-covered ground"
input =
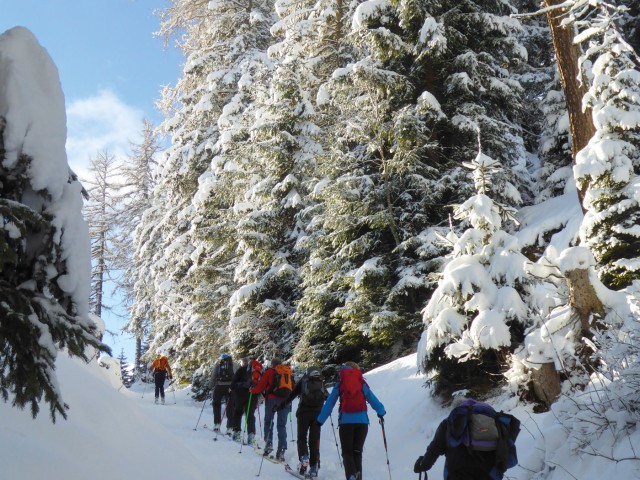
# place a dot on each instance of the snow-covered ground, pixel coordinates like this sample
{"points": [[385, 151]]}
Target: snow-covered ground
{"points": [[113, 433]]}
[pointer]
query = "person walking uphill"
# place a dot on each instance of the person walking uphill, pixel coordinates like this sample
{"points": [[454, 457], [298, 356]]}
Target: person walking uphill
{"points": [[478, 443], [312, 393], [353, 422], [221, 381], [245, 377], [161, 370], [276, 384]]}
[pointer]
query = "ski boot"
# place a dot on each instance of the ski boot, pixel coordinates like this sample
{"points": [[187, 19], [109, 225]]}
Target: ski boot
{"points": [[304, 464]]}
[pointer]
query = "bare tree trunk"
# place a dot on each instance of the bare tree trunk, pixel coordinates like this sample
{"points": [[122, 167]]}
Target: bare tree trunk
{"points": [[584, 300], [573, 82], [546, 383]]}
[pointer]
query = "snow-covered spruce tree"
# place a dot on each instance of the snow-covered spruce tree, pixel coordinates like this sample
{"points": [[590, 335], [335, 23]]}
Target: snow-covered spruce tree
{"points": [[479, 312], [192, 111], [137, 188], [608, 168], [398, 145], [221, 38], [100, 212], [283, 148], [473, 79], [125, 372], [364, 280], [44, 244]]}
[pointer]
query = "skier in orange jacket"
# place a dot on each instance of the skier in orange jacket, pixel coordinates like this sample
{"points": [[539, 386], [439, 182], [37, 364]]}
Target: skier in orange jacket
{"points": [[161, 370]]}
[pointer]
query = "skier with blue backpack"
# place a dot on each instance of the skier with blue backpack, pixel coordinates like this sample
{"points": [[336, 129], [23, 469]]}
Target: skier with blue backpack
{"points": [[478, 443]]}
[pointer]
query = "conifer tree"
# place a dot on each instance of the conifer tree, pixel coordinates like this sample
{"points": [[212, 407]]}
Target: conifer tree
{"points": [[479, 312], [398, 141], [101, 212], [125, 372], [608, 168], [136, 192], [44, 244]]}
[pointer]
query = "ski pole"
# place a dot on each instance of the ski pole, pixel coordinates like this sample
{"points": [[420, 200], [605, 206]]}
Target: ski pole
{"points": [[293, 439], [246, 420], [215, 439], [336, 440], [202, 410], [384, 439], [260, 423], [144, 389], [173, 390], [264, 453]]}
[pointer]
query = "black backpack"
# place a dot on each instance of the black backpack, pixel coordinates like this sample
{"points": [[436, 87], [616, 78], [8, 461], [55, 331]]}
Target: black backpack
{"points": [[312, 391], [225, 370]]}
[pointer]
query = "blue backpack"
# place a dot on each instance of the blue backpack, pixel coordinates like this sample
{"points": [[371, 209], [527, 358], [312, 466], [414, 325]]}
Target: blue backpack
{"points": [[477, 426]]}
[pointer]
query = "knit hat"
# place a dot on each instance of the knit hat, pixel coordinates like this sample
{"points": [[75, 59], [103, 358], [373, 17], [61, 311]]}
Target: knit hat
{"points": [[275, 361]]}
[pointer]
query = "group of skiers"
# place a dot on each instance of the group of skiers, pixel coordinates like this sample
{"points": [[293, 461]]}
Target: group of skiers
{"points": [[478, 443], [243, 385]]}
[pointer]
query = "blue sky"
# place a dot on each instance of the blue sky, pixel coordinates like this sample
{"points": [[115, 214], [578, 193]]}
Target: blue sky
{"points": [[112, 69]]}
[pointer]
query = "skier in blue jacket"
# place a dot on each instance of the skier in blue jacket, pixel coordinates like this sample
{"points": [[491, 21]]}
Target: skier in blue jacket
{"points": [[353, 421]]}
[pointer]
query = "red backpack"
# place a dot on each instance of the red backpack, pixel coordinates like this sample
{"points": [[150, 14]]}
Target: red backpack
{"points": [[351, 391], [256, 371]]}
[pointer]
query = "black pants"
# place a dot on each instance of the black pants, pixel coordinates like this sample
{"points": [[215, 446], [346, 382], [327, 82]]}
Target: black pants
{"points": [[220, 393], [352, 437], [242, 401], [307, 424], [159, 377]]}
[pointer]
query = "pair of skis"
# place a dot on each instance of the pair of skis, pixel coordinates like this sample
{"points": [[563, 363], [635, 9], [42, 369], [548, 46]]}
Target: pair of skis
{"points": [[297, 474]]}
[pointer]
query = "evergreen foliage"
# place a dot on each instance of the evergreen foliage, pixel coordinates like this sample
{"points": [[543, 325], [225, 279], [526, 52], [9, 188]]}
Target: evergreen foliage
{"points": [[610, 164], [39, 314], [125, 370], [480, 310]]}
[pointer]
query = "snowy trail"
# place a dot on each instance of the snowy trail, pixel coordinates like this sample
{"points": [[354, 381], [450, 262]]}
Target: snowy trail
{"points": [[117, 434]]}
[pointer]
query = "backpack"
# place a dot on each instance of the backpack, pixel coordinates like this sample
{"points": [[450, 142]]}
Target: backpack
{"points": [[479, 427], [282, 381], [312, 391], [255, 367], [225, 370], [160, 364], [351, 391]]}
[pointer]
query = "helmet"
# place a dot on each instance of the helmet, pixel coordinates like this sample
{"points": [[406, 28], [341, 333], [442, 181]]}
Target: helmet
{"points": [[313, 372], [224, 356]]}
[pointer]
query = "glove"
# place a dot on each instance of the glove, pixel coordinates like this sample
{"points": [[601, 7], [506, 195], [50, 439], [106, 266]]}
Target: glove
{"points": [[419, 467], [317, 423]]}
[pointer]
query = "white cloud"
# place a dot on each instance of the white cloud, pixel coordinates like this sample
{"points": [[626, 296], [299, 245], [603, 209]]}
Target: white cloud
{"points": [[98, 123]]}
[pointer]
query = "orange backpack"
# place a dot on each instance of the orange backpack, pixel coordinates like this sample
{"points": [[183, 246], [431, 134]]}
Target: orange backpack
{"points": [[160, 364], [283, 382]]}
